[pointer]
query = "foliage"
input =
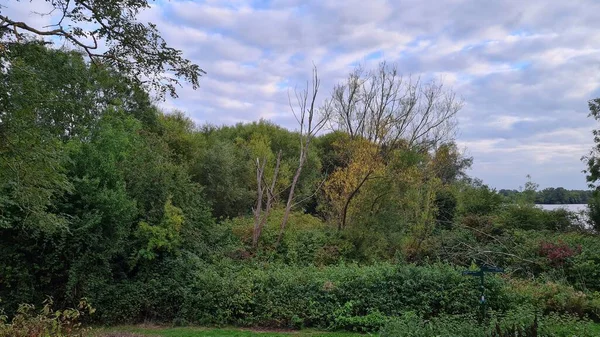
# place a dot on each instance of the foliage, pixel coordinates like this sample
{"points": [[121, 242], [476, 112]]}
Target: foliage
{"points": [[477, 199], [528, 216], [594, 211], [80, 203], [445, 203], [363, 161], [553, 195], [522, 322], [153, 331], [559, 252], [308, 241], [352, 297], [48, 322], [411, 325], [104, 196], [165, 235], [135, 49], [339, 295]]}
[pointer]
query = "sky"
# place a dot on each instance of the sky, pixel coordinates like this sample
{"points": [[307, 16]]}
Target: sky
{"points": [[525, 69]]}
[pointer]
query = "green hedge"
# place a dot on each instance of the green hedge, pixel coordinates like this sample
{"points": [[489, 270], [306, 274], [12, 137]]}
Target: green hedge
{"points": [[286, 296], [348, 297]]}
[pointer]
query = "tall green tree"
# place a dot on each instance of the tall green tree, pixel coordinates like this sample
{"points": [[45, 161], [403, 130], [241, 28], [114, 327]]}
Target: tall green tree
{"points": [[95, 185]]}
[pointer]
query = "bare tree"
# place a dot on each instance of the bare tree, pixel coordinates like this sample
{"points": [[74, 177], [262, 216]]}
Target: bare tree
{"points": [[385, 108], [388, 109], [311, 120]]}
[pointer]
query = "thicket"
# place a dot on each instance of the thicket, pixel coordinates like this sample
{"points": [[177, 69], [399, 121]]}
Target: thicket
{"points": [[29, 322], [151, 217]]}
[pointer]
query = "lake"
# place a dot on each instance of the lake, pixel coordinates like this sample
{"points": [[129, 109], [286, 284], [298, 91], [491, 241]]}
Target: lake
{"points": [[568, 207]]}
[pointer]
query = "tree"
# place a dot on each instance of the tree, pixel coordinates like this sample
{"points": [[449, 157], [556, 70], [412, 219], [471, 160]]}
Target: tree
{"points": [[593, 166], [385, 108], [311, 120], [108, 33], [528, 192], [476, 198], [362, 161], [449, 164], [391, 112], [93, 184]]}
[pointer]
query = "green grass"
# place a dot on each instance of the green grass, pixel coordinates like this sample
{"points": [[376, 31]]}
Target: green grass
{"points": [[227, 332], [236, 332]]}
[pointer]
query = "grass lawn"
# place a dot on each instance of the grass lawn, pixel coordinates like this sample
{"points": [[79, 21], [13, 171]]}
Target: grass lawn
{"points": [[155, 331], [225, 332]]}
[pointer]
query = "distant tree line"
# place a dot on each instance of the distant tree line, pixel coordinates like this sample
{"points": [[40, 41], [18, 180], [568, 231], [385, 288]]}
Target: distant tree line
{"points": [[553, 195]]}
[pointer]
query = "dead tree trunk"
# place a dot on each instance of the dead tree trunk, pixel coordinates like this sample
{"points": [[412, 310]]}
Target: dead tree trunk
{"points": [[310, 125]]}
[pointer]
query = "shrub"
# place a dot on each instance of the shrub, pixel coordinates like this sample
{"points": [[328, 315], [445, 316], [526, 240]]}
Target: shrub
{"points": [[445, 203], [305, 242], [412, 325], [485, 226], [558, 253], [594, 211], [478, 200], [26, 323], [344, 296], [523, 322], [528, 216], [344, 319], [551, 297]]}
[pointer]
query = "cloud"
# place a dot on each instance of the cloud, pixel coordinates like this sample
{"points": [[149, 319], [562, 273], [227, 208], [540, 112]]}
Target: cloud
{"points": [[524, 69], [509, 122]]}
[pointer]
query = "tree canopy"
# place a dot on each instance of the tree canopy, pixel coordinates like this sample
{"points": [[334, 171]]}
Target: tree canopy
{"points": [[109, 33]]}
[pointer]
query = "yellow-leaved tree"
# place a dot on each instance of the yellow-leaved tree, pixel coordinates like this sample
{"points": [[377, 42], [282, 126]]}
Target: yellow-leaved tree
{"points": [[363, 162]]}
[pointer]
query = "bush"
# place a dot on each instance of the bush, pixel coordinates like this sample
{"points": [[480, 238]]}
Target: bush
{"points": [[445, 203], [551, 297], [485, 226], [412, 325], [478, 200], [594, 211], [349, 297], [344, 319], [26, 323], [308, 240], [530, 217], [572, 257], [522, 322]]}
